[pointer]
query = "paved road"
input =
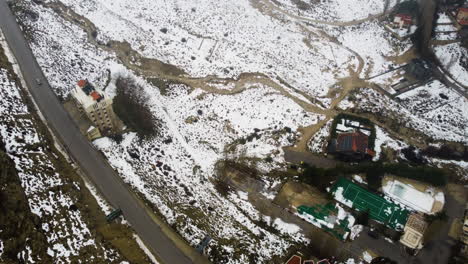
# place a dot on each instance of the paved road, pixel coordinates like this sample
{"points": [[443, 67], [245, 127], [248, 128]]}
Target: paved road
{"points": [[309, 158], [439, 249], [90, 161], [442, 75]]}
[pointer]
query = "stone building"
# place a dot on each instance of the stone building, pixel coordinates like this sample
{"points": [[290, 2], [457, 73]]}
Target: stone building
{"points": [[96, 105], [414, 231]]}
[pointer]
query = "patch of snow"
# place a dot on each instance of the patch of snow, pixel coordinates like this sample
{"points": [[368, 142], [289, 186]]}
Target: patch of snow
{"points": [[345, 104], [339, 197], [335, 10], [359, 179], [145, 249], [105, 207], [382, 139], [454, 58], [286, 227], [319, 141], [367, 257], [218, 40], [343, 214], [355, 231], [243, 195]]}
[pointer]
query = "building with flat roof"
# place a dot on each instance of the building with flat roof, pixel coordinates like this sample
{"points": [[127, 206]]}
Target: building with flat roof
{"points": [[96, 105], [414, 231]]}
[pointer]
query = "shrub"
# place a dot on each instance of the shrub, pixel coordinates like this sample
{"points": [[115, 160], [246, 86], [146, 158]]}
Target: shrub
{"points": [[131, 105], [317, 177], [446, 152], [222, 187], [321, 178], [412, 155], [408, 7], [117, 138]]}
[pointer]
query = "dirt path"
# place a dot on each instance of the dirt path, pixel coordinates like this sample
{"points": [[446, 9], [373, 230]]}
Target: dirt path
{"points": [[268, 5], [155, 68]]}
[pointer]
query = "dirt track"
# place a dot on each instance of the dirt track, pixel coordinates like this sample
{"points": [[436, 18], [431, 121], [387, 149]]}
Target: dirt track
{"points": [[153, 68]]}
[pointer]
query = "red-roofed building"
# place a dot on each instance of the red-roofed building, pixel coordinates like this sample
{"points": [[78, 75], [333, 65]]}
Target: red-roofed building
{"points": [[96, 96], [82, 83], [462, 16], [403, 20], [96, 105], [295, 259], [353, 144]]}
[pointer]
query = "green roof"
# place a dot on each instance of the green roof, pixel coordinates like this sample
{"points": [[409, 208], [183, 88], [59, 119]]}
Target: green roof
{"points": [[380, 209]]}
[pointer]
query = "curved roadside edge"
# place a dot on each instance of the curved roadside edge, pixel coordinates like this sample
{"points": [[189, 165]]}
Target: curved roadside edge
{"points": [[190, 254]]}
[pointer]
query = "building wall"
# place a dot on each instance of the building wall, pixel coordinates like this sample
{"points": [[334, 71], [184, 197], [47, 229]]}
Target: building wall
{"points": [[102, 115]]}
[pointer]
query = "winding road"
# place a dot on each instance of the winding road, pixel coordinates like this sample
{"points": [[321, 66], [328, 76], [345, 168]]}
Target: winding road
{"points": [[166, 245]]}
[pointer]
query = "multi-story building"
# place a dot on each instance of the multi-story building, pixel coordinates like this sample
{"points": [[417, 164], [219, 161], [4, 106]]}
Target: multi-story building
{"points": [[96, 105]]}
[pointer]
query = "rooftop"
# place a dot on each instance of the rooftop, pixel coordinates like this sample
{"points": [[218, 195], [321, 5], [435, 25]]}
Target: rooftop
{"points": [[356, 142], [86, 94], [416, 222], [295, 259]]}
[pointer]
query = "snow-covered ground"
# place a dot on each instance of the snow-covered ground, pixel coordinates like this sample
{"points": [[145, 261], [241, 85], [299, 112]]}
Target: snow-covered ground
{"points": [[335, 10], [67, 232], [367, 257], [383, 140], [318, 142], [219, 38], [428, 112], [445, 28], [198, 127], [444, 108], [454, 58], [373, 43], [222, 119]]}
